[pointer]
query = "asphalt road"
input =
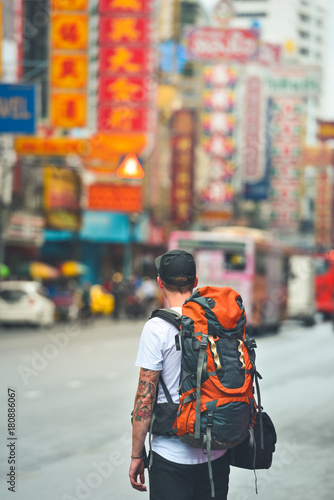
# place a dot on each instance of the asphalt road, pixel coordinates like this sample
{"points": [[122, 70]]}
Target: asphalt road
{"points": [[74, 390]]}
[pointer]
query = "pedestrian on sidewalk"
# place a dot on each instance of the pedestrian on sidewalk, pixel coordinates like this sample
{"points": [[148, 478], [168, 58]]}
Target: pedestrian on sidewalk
{"points": [[178, 471]]}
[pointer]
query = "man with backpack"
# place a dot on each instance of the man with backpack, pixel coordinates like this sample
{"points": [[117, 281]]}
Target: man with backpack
{"points": [[177, 470]]}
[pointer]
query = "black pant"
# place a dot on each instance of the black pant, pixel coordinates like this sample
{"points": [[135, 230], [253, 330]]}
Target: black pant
{"points": [[171, 481]]}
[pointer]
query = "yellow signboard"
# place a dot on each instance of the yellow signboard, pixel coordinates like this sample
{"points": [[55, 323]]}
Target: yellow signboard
{"points": [[68, 110], [62, 198], [101, 146], [69, 4], [69, 31], [69, 71]]}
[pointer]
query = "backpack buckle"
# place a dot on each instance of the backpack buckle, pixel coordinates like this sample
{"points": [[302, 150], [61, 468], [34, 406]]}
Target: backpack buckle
{"points": [[204, 341], [209, 422]]}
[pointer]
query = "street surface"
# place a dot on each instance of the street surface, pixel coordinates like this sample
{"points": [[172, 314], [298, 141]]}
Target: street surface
{"points": [[74, 390]]}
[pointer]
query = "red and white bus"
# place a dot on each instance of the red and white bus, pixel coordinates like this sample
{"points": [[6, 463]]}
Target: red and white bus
{"points": [[248, 260], [324, 283]]}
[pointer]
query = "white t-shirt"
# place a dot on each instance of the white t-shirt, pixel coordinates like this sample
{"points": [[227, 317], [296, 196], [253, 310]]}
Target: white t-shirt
{"points": [[157, 351]]}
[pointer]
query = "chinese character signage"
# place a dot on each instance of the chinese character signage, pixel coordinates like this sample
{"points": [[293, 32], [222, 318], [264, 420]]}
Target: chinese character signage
{"points": [[122, 119], [286, 126], [69, 71], [125, 89], [126, 6], [69, 31], [218, 129], [69, 63], [129, 60], [68, 110], [183, 136], [126, 98], [124, 30], [255, 151]]}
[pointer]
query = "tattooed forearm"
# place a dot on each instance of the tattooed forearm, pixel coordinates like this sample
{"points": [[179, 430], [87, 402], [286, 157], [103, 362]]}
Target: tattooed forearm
{"points": [[146, 394]]}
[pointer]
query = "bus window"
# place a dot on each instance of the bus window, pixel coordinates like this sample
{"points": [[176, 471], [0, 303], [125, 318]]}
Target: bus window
{"points": [[235, 261]]}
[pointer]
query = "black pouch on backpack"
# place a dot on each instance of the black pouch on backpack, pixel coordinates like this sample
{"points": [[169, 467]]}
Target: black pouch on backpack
{"points": [[164, 415], [249, 454]]}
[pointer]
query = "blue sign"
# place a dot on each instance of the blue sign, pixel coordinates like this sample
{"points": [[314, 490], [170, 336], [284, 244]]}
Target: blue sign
{"points": [[260, 190], [18, 108], [112, 227], [173, 57]]}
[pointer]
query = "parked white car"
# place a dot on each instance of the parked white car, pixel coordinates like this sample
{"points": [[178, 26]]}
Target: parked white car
{"points": [[25, 302]]}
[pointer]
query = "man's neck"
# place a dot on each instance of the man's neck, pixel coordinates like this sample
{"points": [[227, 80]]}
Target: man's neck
{"points": [[177, 299]]}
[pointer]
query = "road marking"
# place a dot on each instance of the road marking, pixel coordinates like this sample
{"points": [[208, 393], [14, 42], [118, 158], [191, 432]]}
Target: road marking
{"points": [[74, 384], [33, 394]]}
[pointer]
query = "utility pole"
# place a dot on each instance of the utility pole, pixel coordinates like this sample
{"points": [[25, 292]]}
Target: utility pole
{"points": [[5, 192]]}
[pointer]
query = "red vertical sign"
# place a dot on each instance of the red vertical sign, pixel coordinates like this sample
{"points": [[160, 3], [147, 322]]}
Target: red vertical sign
{"points": [[126, 90], [183, 157], [18, 29], [286, 126]]}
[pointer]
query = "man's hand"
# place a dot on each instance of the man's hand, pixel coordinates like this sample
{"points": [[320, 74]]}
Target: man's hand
{"points": [[137, 469]]}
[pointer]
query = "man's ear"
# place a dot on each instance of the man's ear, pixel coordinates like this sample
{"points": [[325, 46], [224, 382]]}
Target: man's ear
{"points": [[160, 282], [196, 282]]}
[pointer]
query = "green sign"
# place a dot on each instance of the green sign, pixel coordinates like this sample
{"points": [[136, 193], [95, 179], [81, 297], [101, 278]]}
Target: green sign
{"points": [[294, 85]]}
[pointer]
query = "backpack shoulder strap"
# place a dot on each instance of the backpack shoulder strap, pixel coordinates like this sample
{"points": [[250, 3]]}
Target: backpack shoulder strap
{"points": [[172, 317]]}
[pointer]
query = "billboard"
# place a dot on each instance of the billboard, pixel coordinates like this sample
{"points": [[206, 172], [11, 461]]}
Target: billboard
{"points": [[62, 191], [299, 81], [115, 197], [208, 44], [18, 114]]}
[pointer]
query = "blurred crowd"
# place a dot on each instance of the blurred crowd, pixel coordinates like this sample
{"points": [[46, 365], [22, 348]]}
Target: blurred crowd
{"points": [[117, 297]]}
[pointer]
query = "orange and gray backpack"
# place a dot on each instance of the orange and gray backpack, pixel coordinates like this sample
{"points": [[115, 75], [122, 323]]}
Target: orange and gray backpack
{"points": [[217, 407]]}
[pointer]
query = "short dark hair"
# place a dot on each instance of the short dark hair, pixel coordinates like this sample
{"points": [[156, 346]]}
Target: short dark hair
{"points": [[188, 287]]}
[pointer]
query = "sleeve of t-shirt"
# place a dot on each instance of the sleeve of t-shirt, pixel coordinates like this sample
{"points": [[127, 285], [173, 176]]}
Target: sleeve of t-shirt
{"points": [[151, 346]]}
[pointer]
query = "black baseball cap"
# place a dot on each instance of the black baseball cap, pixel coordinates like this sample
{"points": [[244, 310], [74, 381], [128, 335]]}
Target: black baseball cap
{"points": [[176, 264]]}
